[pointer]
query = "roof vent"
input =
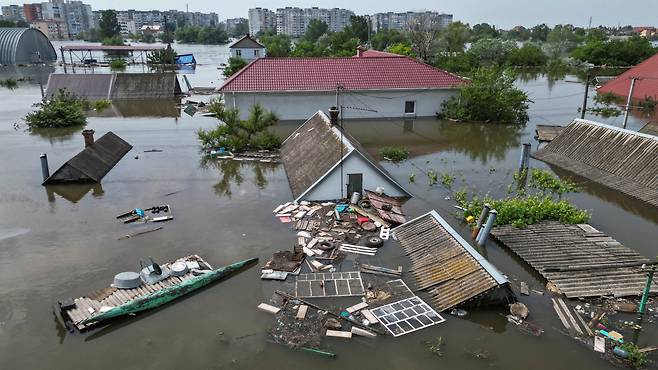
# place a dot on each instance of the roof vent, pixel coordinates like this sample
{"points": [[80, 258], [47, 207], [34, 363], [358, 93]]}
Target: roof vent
{"points": [[333, 115]]}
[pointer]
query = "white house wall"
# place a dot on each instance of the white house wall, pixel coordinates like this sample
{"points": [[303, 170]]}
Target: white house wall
{"points": [[301, 105], [329, 187], [248, 53]]}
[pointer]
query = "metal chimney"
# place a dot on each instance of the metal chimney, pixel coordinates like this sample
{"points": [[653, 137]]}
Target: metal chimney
{"points": [[333, 115], [89, 137]]}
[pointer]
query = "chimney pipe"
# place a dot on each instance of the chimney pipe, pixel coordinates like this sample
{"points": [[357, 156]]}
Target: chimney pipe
{"points": [[333, 115], [89, 137], [359, 51]]}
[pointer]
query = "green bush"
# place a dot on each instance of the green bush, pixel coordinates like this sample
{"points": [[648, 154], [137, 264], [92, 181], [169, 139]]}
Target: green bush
{"points": [[118, 65], [490, 97], [545, 181], [63, 110], [165, 56], [9, 83], [529, 55], [240, 135], [394, 153], [635, 358], [607, 98], [234, 65], [522, 211]]}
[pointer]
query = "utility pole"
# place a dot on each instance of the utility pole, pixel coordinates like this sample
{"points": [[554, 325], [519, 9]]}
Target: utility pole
{"points": [[628, 101], [647, 290], [584, 109]]}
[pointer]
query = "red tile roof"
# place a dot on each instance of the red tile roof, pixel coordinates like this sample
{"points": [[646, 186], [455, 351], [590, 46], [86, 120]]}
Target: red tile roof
{"points": [[376, 53], [324, 74], [646, 85]]}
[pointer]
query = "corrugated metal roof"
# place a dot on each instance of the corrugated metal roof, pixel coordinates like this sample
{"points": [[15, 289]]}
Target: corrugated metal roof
{"points": [[623, 160], [579, 259], [93, 162], [325, 74], [443, 263], [25, 46], [116, 86]]}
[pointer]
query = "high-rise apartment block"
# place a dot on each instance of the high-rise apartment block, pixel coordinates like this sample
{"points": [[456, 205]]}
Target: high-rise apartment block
{"points": [[404, 21]]}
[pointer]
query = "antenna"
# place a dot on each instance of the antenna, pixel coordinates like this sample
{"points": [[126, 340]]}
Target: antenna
{"points": [[187, 8], [589, 27]]}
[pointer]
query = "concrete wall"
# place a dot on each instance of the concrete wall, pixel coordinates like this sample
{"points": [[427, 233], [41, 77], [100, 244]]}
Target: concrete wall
{"points": [[302, 105], [248, 53], [329, 187]]}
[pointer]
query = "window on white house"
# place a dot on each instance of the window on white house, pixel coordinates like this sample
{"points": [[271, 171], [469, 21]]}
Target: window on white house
{"points": [[256, 52], [410, 107], [238, 52]]}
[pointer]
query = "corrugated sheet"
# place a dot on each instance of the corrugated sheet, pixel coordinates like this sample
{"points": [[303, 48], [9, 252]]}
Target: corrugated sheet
{"points": [[580, 260], [116, 86], [92, 163], [620, 159], [651, 128], [25, 46], [443, 263], [311, 151], [90, 86], [546, 133]]}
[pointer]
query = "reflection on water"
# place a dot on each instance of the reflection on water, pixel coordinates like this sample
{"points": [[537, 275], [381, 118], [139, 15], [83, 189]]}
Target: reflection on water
{"points": [[481, 142], [231, 173], [57, 135], [140, 108], [32, 74], [73, 192]]}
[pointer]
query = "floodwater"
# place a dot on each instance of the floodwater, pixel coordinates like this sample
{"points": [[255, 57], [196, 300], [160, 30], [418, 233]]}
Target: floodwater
{"points": [[58, 242]]}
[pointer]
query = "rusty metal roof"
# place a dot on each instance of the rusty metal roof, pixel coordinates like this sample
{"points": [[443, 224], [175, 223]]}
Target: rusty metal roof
{"points": [[444, 264], [619, 159], [579, 259]]}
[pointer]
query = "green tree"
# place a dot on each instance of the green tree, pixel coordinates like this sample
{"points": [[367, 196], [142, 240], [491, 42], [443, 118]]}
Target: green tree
{"points": [[315, 29], [491, 96], [276, 45], [401, 48], [529, 55], [562, 39], [615, 52], [519, 33], [383, 39], [234, 65], [596, 34], [240, 135], [539, 33], [342, 45], [491, 52], [484, 31], [108, 24], [358, 28], [63, 110], [455, 36], [306, 48]]}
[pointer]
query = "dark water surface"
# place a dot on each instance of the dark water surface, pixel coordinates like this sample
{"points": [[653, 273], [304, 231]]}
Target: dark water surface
{"points": [[58, 242]]}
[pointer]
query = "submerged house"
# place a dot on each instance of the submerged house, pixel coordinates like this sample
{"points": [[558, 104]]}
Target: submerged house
{"points": [[323, 162], [369, 85], [116, 86], [448, 268], [247, 48], [646, 81], [93, 162]]}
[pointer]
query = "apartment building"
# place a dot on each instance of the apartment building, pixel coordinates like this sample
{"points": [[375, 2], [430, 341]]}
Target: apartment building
{"points": [[13, 13], [261, 20], [293, 21], [403, 21]]}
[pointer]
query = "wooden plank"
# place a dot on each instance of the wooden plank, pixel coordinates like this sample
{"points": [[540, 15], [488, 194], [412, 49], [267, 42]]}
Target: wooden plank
{"points": [[356, 307], [561, 315], [573, 322], [301, 312], [369, 316], [339, 334], [268, 308]]}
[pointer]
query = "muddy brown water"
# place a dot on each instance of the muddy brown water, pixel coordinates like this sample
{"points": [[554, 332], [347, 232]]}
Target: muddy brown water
{"points": [[58, 242]]}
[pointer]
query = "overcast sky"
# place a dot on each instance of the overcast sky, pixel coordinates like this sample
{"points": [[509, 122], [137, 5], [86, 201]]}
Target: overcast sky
{"points": [[503, 13]]}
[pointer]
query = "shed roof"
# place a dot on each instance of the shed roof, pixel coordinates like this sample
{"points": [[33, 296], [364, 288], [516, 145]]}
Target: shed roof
{"points": [[645, 86], [116, 86], [247, 42], [25, 46], [314, 149], [93, 162], [579, 259], [351, 73], [443, 263], [623, 160]]}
